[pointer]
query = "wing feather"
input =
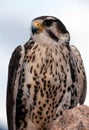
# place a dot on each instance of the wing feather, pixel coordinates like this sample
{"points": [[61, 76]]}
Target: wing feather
{"points": [[80, 73], [14, 64], [14, 69]]}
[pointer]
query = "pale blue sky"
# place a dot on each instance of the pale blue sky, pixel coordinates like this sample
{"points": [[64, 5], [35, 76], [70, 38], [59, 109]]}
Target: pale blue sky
{"points": [[15, 20]]}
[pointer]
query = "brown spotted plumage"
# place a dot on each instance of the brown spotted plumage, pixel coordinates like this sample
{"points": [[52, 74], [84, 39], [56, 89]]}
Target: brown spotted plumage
{"points": [[46, 77]]}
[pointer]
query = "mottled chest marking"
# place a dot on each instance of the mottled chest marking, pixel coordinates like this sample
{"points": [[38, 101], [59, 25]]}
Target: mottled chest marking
{"points": [[40, 83], [20, 106]]}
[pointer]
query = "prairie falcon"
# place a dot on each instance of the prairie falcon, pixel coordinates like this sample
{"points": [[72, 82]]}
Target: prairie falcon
{"points": [[46, 77]]}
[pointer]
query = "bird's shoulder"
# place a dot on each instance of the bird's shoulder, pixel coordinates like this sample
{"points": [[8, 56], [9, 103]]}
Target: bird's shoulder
{"points": [[14, 68], [78, 65]]}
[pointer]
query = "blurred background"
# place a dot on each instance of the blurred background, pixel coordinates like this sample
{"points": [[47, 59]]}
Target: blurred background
{"points": [[15, 21]]}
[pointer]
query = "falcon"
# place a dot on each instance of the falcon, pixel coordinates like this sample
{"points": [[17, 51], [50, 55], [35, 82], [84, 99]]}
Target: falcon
{"points": [[46, 76]]}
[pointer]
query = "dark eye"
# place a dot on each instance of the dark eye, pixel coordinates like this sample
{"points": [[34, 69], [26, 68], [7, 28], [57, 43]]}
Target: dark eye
{"points": [[47, 23]]}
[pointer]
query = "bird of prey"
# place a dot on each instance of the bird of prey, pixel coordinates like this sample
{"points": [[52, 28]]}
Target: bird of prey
{"points": [[46, 76]]}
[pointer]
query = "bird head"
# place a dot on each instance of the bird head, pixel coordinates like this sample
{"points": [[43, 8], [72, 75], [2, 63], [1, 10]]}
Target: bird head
{"points": [[49, 27]]}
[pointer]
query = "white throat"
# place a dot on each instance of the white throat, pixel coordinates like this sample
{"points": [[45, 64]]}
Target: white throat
{"points": [[44, 38]]}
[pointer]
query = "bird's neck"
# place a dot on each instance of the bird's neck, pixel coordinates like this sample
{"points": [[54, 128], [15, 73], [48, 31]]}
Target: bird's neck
{"points": [[46, 40]]}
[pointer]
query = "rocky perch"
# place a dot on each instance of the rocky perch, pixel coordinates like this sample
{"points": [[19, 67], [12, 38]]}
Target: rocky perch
{"points": [[73, 119]]}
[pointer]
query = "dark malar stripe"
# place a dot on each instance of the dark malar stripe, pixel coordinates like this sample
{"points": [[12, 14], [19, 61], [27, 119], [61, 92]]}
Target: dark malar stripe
{"points": [[52, 35]]}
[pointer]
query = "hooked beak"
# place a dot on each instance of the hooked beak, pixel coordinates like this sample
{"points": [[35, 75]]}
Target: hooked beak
{"points": [[37, 27]]}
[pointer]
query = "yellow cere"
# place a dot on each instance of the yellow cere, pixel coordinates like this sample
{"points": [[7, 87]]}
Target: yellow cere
{"points": [[39, 26]]}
